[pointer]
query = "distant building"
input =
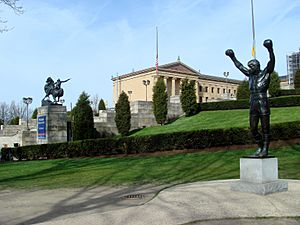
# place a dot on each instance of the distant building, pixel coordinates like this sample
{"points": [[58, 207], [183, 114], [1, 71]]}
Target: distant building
{"points": [[293, 64], [138, 85], [284, 82]]}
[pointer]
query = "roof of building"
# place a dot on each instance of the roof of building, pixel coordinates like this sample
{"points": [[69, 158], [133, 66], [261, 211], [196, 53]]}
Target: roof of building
{"points": [[177, 67]]}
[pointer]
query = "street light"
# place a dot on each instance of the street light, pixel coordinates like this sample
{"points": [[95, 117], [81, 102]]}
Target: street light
{"points": [[27, 101], [226, 74], [146, 83]]}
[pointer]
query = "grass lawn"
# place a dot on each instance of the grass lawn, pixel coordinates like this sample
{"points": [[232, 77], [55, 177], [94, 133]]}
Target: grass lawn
{"points": [[220, 119], [180, 168]]}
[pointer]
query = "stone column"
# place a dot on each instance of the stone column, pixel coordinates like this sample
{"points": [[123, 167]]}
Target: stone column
{"points": [[52, 124], [168, 87], [177, 86], [173, 93], [197, 91]]}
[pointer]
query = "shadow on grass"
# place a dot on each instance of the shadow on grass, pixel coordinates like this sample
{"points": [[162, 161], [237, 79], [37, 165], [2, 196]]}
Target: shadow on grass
{"points": [[174, 169]]}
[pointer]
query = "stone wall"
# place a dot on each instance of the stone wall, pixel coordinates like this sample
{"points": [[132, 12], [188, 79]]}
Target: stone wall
{"points": [[28, 137], [9, 141], [105, 122], [141, 115]]}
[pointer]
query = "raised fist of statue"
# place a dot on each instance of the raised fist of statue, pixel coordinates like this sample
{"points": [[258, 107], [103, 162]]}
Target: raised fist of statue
{"points": [[230, 53], [268, 44]]}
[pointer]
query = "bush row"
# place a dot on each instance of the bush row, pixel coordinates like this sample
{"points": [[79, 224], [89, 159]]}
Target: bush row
{"points": [[283, 101], [162, 142], [290, 92]]}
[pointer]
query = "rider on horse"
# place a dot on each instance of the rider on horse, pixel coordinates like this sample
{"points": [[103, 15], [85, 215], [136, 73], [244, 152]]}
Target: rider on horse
{"points": [[54, 89]]}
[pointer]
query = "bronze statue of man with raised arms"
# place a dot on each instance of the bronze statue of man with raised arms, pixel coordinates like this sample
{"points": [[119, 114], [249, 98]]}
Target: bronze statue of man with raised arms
{"points": [[259, 81]]}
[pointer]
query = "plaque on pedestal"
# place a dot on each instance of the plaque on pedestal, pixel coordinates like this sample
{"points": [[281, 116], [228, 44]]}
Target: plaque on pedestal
{"points": [[259, 176]]}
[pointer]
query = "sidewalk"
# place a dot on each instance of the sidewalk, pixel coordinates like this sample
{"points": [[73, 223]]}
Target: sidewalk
{"points": [[204, 203]]}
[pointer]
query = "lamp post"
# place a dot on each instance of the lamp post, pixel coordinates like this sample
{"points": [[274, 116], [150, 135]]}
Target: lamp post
{"points": [[226, 74], [27, 101], [146, 83]]}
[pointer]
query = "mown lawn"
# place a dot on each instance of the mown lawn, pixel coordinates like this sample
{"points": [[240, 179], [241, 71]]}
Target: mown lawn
{"points": [[220, 119], [179, 168]]}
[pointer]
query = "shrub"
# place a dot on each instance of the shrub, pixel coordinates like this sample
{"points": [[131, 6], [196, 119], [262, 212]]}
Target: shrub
{"points": [[101, 105], [160, 101], [14, 121], [297, 79], [284, 101], [243, 91], [290, 92], [82, 113], [161, 142], [123, 114], [274, 89], [188, 98], [34, 114]]}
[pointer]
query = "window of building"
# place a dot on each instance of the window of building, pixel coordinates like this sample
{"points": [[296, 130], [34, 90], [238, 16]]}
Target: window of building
{"points": [[206, 99], [200, 88], [224, 91], [218, 90], [206, 89], [212, 89], [229, 91], [234, 91], [200, 99]]}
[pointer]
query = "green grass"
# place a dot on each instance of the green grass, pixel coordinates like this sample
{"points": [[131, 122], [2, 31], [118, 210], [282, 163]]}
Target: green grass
{"points": [[180, 168], [220, 119]]}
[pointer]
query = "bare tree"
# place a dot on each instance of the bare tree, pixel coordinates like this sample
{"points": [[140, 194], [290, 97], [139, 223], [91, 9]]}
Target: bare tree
{"points": [[13, 4], [12, 111], [17, 110], [94, 103], [4, 112]]}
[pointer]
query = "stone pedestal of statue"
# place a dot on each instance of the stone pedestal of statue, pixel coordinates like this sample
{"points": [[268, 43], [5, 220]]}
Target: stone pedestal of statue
{"points": [[259, 176], [51, 124]]}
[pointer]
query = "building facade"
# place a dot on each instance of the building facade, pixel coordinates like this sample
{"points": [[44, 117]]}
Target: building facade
{"points": [[139, 85], [293, 64]]}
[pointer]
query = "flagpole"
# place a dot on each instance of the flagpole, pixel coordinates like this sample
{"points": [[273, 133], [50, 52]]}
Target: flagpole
{"points": [[156, 63], [253, 32]]}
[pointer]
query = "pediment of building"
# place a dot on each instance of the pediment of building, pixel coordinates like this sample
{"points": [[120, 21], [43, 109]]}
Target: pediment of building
{"points": [[179, 67]]}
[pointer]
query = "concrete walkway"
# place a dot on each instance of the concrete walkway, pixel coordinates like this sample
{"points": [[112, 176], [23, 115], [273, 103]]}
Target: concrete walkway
{"points": [[204, 203]]}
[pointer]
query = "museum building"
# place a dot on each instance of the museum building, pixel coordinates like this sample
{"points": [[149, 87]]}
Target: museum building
{"points": [[138, 85]]}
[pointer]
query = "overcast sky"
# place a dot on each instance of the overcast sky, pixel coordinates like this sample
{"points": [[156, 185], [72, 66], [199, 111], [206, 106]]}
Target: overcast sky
{"points": [[90, 41]]}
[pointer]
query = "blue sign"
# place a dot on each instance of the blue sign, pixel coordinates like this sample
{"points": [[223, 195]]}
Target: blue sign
{"points": [[42, 127]]}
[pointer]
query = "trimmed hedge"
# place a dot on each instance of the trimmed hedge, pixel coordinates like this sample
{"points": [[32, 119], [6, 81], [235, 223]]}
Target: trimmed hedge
{"points": [[290, 92], [283, 101], [162, 142]]}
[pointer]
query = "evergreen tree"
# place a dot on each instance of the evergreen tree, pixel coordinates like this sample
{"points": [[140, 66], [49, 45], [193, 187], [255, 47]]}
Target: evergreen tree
{"points": [[243, 91], [101, 105], [274, 88], [160, 101], [188, 97], [34, 114], [83, 118], [297, 79], [14, 121], [123, 114]]}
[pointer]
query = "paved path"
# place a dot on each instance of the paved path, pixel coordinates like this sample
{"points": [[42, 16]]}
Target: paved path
{"points": [[204, 203]]}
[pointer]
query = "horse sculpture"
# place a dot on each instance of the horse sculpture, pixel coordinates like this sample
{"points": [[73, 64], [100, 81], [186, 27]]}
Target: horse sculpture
{"points": [[54, 89]]}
